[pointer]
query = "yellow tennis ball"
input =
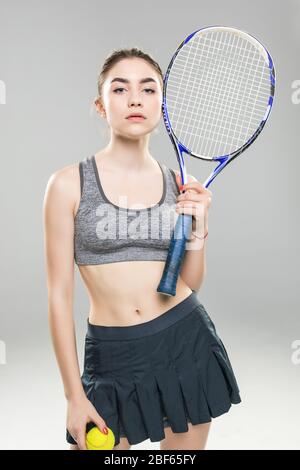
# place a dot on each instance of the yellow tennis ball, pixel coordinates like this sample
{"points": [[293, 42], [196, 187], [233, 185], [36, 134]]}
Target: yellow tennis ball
{"points": [[97, 440]]}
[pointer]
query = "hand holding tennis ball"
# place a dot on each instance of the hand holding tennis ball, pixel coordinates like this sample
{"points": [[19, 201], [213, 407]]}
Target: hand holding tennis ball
{"points": [[80, 413], [96, 440]]}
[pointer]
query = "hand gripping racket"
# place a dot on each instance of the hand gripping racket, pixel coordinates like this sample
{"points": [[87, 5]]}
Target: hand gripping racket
{"points": [[217, 95]]}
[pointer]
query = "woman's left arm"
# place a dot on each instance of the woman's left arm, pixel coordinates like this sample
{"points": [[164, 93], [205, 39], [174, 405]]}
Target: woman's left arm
{"points": [[195, 201]]}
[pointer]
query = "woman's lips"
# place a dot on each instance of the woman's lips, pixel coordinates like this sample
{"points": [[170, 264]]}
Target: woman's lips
{"points": [[136, 118]]}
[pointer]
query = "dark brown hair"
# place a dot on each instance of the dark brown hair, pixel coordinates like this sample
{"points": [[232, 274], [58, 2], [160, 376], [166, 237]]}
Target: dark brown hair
{"points": [[120, 54]]}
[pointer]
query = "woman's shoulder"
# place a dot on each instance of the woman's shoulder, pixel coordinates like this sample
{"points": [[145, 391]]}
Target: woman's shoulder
{"points": [[66, 175], [64, 182]]}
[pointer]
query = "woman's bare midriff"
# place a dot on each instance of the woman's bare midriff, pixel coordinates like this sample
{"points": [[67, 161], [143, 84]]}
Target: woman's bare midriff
{"points": [[124, 293]]}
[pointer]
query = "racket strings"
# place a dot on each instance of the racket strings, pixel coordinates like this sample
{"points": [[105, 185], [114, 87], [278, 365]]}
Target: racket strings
{"points": [[208, 104], [217, 96]]}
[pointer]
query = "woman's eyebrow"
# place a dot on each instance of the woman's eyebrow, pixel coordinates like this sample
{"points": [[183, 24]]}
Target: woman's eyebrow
{"points": [[125, 80]]}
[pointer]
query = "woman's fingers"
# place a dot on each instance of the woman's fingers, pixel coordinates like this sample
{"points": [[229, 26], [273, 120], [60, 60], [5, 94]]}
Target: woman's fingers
{"points": [[191, 210], [192, 193], [99, 422], [81, 436], [191, 196], [195, 185], [199, 206]]}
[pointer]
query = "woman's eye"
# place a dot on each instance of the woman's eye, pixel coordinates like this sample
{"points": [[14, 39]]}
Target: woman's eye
{"points": [[146, 89]]}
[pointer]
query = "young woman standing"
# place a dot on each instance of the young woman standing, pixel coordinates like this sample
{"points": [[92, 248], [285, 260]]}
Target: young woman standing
{"points": [[154, 366]]}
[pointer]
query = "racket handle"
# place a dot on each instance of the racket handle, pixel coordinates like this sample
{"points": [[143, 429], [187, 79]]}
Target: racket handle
{"points": [[175, 255]]}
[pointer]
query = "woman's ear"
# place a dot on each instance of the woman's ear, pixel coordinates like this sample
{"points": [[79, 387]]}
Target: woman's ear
{"points": [[100, 108]]}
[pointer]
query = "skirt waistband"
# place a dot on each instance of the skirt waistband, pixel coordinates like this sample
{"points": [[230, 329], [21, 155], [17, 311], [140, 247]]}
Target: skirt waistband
{"points": [[166, 319]]}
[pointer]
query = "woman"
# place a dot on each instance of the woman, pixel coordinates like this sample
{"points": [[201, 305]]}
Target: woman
{"points": [[154, 366]]}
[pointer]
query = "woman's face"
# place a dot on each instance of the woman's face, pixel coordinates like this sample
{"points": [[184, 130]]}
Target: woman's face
{"points": [[129, 95]]}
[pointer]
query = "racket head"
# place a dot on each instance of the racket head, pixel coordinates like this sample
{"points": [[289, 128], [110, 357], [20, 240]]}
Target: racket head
{"points": [[218, 93]]}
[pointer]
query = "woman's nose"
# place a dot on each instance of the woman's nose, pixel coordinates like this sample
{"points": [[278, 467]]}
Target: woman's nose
{"points": [[134, 99]]}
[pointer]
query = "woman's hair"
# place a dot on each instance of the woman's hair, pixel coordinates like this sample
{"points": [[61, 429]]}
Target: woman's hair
{"points": [[120, 54]]}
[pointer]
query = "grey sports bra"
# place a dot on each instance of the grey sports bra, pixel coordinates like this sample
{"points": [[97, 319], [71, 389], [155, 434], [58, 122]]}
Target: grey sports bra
{"points": [[106, 233]]}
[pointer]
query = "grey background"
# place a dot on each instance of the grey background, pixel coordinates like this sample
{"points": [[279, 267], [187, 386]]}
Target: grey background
{"points": [[50, 54]]}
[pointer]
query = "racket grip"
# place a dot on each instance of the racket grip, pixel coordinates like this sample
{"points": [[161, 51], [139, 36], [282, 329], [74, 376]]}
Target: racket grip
{"points": [[175, 255]]}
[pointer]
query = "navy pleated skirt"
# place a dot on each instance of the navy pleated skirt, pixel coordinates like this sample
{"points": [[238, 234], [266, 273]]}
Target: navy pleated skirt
{"points": [[168, 371]]}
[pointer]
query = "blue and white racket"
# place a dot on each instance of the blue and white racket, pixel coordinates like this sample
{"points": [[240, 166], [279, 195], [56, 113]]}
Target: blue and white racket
{"points": [[217, 95]]}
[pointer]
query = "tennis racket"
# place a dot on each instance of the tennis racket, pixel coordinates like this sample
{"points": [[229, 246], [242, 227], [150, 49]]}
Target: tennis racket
{"points": [[217, 96]]}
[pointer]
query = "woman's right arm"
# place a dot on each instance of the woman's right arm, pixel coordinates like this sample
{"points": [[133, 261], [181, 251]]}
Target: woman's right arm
{"points": [[58, 220]]}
